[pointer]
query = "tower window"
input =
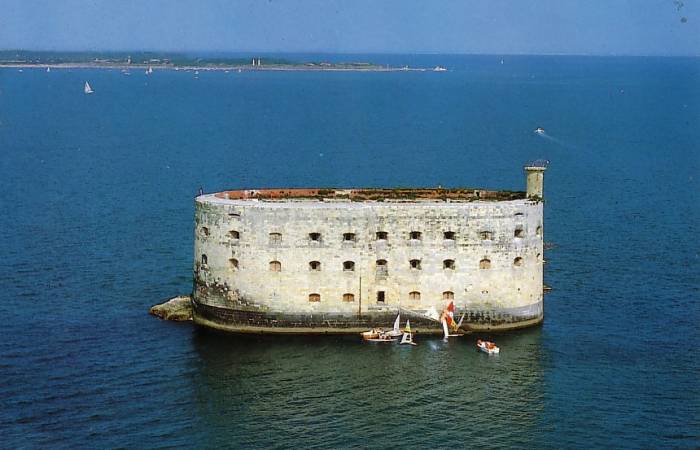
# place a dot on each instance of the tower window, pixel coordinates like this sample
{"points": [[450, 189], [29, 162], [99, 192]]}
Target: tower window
{"points": [[485, 263], [448, 264], [233, 234], [315, 265], [348, 297], [448, 295], [314, 298], [449, 235], [316, 237], [519, 233], [205, 231], [382, 267], [275, 266], [414, 296], [233, 263], [381, 296], [275, 238], [538, 231], [517, 262], [382, 235], [486, 235], [415, 235], [348, 266], [204, 260], [349, 237], [415, 264]]}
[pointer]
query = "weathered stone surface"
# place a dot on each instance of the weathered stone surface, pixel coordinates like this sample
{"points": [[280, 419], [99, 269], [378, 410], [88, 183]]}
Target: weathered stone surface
{"points": [[178, 309]]}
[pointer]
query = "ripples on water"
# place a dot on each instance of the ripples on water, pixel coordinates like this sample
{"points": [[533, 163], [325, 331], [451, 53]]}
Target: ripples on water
{"points": [[97, 226]]}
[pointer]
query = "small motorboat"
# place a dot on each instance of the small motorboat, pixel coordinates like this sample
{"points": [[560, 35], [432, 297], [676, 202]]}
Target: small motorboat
{"points": [[539, 130], [374, 333], [488, 347], [439, 69]]}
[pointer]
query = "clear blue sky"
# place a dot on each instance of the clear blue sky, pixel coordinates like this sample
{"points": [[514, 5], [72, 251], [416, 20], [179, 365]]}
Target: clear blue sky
{"points": [[624, 27]]}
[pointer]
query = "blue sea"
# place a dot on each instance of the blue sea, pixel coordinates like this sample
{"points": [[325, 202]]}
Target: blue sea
{"points": [[97, 226]]}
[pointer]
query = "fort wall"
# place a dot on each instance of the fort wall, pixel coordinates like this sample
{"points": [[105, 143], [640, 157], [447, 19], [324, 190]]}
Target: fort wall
{"points": [[336, 265]]}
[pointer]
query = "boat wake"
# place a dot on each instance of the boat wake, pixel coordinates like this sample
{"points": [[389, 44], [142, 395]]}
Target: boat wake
{"points": [[544, 135]]}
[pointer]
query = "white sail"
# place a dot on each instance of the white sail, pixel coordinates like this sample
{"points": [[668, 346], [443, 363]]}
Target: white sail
{"points": [[88, 89], [48, 69], [396, 331], [407, 337]]}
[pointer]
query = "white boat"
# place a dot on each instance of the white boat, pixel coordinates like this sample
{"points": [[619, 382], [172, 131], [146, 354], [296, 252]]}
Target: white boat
{"points": [[539, 130], [488, 347], [407, 337], [396, 331], [88, 89], [48, 69], [149, 71], [439, 69]]}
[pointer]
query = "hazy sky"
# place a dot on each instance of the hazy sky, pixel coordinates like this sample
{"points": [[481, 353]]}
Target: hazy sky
{"points": [[657, 27]]}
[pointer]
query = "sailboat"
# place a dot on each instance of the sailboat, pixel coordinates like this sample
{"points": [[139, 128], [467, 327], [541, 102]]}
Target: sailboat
{"points": [[88, 89], [149, 71], [447, 318], [407, 337], [48, 69], [395, 332]]}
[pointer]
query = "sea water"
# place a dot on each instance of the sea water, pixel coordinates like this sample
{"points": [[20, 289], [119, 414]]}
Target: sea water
{"points": [[97, 225]]}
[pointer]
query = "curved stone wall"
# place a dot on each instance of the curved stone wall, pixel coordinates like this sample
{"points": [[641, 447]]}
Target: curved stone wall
{"points": [[307, 265]]}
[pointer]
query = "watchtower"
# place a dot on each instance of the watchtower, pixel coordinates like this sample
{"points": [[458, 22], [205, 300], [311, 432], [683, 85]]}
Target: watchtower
{"points": [[535, 177]]}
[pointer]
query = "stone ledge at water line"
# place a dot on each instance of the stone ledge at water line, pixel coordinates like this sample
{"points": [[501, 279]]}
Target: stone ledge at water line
{"points": [[178, 309]]}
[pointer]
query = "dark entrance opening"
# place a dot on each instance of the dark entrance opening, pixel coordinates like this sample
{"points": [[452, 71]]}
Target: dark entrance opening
{"points": [[380, 296]]}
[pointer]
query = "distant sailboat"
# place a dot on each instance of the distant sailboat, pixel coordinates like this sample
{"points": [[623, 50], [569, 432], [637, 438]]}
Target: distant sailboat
{"points": [[88, 89], [149, 71], [48, 69]]}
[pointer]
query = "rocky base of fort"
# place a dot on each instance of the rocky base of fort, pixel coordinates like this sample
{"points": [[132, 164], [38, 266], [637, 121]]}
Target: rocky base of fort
{"points": [[178, 309]]}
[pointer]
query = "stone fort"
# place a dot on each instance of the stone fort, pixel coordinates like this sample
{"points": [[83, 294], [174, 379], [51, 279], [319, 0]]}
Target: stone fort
{"points": [[345, 260]]}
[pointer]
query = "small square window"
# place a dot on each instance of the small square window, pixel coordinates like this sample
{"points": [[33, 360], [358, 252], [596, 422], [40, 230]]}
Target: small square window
{"points": [[449, 235], [486, 235], [382, 235], [415, 264], [349, 237], [415, 235]]}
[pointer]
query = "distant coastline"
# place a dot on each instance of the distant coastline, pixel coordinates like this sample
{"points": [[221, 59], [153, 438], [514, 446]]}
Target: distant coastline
{"points": [[170, 61], [248, 68]]}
